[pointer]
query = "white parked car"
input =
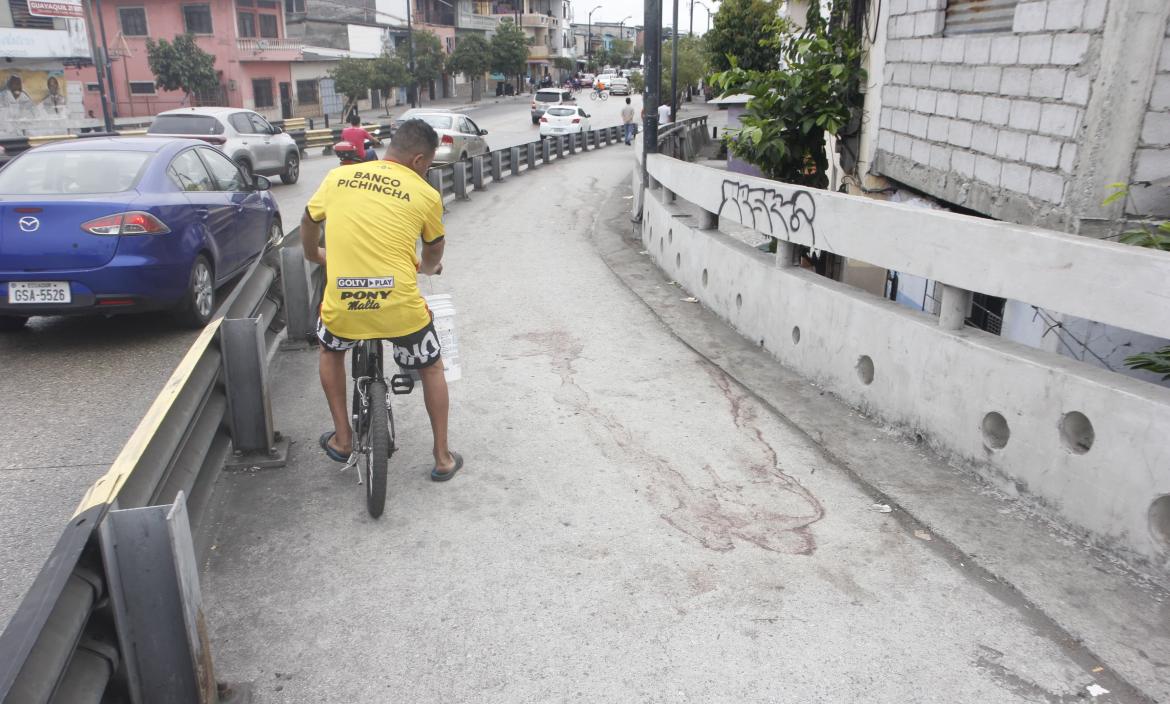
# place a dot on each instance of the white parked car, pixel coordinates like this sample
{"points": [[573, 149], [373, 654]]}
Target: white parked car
{"points": [[618, 86], [460, 139], [245, 136], [564, 119]]}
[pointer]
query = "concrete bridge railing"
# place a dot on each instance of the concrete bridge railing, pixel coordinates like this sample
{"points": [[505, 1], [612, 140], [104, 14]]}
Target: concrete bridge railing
{"points": [[1088, 444]]}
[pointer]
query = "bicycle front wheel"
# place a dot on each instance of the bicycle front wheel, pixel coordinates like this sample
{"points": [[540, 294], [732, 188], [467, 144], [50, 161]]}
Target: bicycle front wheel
{"points": [[378, 457], [604, 96]]}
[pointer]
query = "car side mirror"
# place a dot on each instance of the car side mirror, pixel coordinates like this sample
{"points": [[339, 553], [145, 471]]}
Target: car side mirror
{"points": [[261, 183], [276, 129], [482, 132]]}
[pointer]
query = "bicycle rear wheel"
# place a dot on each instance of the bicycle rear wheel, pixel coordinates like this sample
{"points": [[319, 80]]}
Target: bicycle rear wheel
{"points": [[378, 457]]}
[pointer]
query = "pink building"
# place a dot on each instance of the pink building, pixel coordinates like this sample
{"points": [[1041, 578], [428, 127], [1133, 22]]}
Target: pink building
{"points": [[247, 38]]}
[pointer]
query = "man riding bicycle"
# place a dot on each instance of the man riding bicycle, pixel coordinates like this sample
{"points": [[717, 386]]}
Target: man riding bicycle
{"points": [[376, 212]]}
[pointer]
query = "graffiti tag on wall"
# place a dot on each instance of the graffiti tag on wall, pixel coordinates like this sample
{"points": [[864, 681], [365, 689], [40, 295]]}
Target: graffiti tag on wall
{"points": [[768, 211]]}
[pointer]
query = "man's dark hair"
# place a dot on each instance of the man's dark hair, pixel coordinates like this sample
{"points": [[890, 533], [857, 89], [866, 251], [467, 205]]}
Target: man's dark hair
{"points": [[627, 101], [414, 137], [355, 119]]}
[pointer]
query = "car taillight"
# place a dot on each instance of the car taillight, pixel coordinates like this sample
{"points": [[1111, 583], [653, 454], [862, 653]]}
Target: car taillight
{"points": [[533, 104], [134, 222], [447, 139], [576, 120], [544, 119]]}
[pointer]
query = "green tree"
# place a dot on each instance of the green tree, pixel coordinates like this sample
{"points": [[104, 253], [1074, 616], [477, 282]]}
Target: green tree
{"points": [[564, 63], [509, 50], [181, 65], [472, 58], [692, 64], [353, 78], [743, 29], [792, 108], [429, 59], [387, 73]]}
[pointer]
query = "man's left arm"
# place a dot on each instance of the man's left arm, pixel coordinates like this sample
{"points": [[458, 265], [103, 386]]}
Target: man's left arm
{"points": [[311, 221]]}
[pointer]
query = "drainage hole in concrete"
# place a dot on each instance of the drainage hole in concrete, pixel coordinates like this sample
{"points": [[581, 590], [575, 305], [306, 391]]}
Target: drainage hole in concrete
{"points": [[1160, 522], [1077, 432], [678, 261], [661, 245], [704, 278], [670, 236], [738, 301], [795, 335], [865, 369], [995, 431]]}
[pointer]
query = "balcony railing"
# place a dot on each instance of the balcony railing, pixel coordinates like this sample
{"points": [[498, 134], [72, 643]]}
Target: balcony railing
{"points": [[480, 22], [261, 46]]}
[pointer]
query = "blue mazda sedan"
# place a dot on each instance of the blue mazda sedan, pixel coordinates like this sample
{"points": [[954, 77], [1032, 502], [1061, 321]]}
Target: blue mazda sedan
{"points": [[112, 225]]}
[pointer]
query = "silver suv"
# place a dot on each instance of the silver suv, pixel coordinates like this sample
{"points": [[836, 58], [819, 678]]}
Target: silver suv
{"points": [[251, 141], [546, 98]]}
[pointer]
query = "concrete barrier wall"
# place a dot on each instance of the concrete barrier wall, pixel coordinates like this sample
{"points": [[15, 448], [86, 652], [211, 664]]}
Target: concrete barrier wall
{"points": [[1089, 444]]}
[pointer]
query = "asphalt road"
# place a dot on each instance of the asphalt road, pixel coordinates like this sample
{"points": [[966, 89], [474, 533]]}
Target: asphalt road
{"points": [[631, 524], [75, 388]]}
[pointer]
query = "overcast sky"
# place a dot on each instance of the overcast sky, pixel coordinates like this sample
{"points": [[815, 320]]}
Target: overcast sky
{"points": [[615, 10]]}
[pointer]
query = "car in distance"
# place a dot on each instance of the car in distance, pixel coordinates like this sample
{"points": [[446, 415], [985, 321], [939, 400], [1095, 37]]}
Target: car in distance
{"points": [[618, 86], [251, 141], [460, 138], [603, 80], [112, 225], [546, 97], [563, 119]]}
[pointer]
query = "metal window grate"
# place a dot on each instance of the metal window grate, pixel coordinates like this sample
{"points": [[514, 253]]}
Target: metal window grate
{"points": [[979, 16]]}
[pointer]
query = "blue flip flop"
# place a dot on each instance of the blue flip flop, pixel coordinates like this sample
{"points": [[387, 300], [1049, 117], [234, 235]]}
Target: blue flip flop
{"points": [[329, 451], [438, 476]]}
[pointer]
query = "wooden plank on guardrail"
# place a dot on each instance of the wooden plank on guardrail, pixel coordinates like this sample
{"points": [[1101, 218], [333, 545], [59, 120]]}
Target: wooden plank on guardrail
{"points": [[49, 138]]}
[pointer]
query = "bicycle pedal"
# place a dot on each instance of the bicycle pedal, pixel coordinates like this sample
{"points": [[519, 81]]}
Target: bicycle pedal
{"points": [[401, 384]]}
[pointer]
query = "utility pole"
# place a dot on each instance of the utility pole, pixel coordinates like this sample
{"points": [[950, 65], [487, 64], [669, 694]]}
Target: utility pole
{"points": [[410, 54], [653, 48], [93, 48], [691, 24], [589, 38], [674, 66], [106, 63]]}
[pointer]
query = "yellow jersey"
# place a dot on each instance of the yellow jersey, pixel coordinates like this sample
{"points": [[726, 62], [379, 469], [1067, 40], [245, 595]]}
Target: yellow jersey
{"points": [[374, 213]]}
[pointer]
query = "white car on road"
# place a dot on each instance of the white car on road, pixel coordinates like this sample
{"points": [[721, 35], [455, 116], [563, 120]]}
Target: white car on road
{"points": [[245, 136], [618, 86], [563, 119]]}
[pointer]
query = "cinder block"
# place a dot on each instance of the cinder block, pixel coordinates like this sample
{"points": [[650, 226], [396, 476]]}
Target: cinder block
{"points": [[1015, 177], [901, 26], [1068, 157], [886, 120], [1151, 165], [902, 74], [948, 104], [908, 99], [987, 170], [899, 120], [894, 50], [1156, 129], [940, 157], [1094, 17], [940, 76], [903, 145], [891, 95], [984, 139], [918, 124], [996, 110], [1047, 83], [931, 49], [1025, 115], [1036, 49], [920, 152], [898, 7], [1160, 95], [963, 78], [1069, 49], [1043, 151], [1047, 186], [929, 24], [978, 50], [926, 101], [912, 50], [987, 79], [1005, 50], [920, 75], [915, 5], [1076, 89], [954, 49], [1029, 17], [970, 107], [1064, 14], [1011, 145], [963, 163], [886, 141], [938, 128], [961, 133], [1164, 62], [1015, 81], [1059, 120]]}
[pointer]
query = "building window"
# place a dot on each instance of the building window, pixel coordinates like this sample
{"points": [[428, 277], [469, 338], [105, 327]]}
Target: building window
{"points": [[133, 20], [262, 92], [23, 19], [291, 6], [268, 26], [246, 24], [142, 88], [979, 16], [93, 87], [197, 19], [307, 92]]}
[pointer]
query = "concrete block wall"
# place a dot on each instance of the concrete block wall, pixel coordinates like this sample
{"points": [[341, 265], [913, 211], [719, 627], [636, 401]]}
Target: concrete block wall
{"points": [[990, 121], [1152, 158]]}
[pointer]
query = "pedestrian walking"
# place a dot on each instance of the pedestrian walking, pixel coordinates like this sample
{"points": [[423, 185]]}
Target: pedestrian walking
{"points": [[664, 114], [628, 121]]}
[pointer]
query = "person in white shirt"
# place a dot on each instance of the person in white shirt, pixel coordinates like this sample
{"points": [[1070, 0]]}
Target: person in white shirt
{"points": [[664, 114]]}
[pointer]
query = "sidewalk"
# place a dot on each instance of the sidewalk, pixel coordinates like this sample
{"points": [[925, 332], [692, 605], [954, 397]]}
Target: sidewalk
{"points": [[632, 525]]}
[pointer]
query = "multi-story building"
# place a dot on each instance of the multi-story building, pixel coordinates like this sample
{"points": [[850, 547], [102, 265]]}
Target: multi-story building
{"points": [[547, 23], [38, 46], [253, 57], [591, 39]]}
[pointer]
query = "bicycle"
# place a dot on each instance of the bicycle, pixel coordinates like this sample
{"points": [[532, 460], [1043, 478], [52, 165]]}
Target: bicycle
{"points": [[598, 95], [373, 420]]}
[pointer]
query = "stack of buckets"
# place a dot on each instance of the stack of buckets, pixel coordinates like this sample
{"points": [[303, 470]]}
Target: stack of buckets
{"points": [[444, 311]]}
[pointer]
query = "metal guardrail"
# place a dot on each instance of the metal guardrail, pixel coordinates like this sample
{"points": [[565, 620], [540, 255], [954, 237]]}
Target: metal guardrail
{"points": [[114, 614]]}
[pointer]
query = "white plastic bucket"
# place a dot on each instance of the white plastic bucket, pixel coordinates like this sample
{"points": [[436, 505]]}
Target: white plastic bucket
{"points": [[444, 311]]}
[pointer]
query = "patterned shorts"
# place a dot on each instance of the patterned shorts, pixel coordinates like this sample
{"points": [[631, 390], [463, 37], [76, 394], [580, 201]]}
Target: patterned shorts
{"points": [[417, 350]]}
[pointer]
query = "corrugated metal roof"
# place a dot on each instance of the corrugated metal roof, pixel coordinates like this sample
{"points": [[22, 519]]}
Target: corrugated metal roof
{"points": [[979, 16]]}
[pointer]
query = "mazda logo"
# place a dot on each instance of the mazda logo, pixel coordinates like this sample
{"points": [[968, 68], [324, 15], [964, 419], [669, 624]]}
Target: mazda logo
{"points": [[29, 224]]}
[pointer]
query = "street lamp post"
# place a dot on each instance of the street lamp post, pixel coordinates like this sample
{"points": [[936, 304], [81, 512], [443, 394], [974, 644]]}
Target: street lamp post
{"points": [[589, 37], [413, 90], [621, 30], [674, 66]]}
